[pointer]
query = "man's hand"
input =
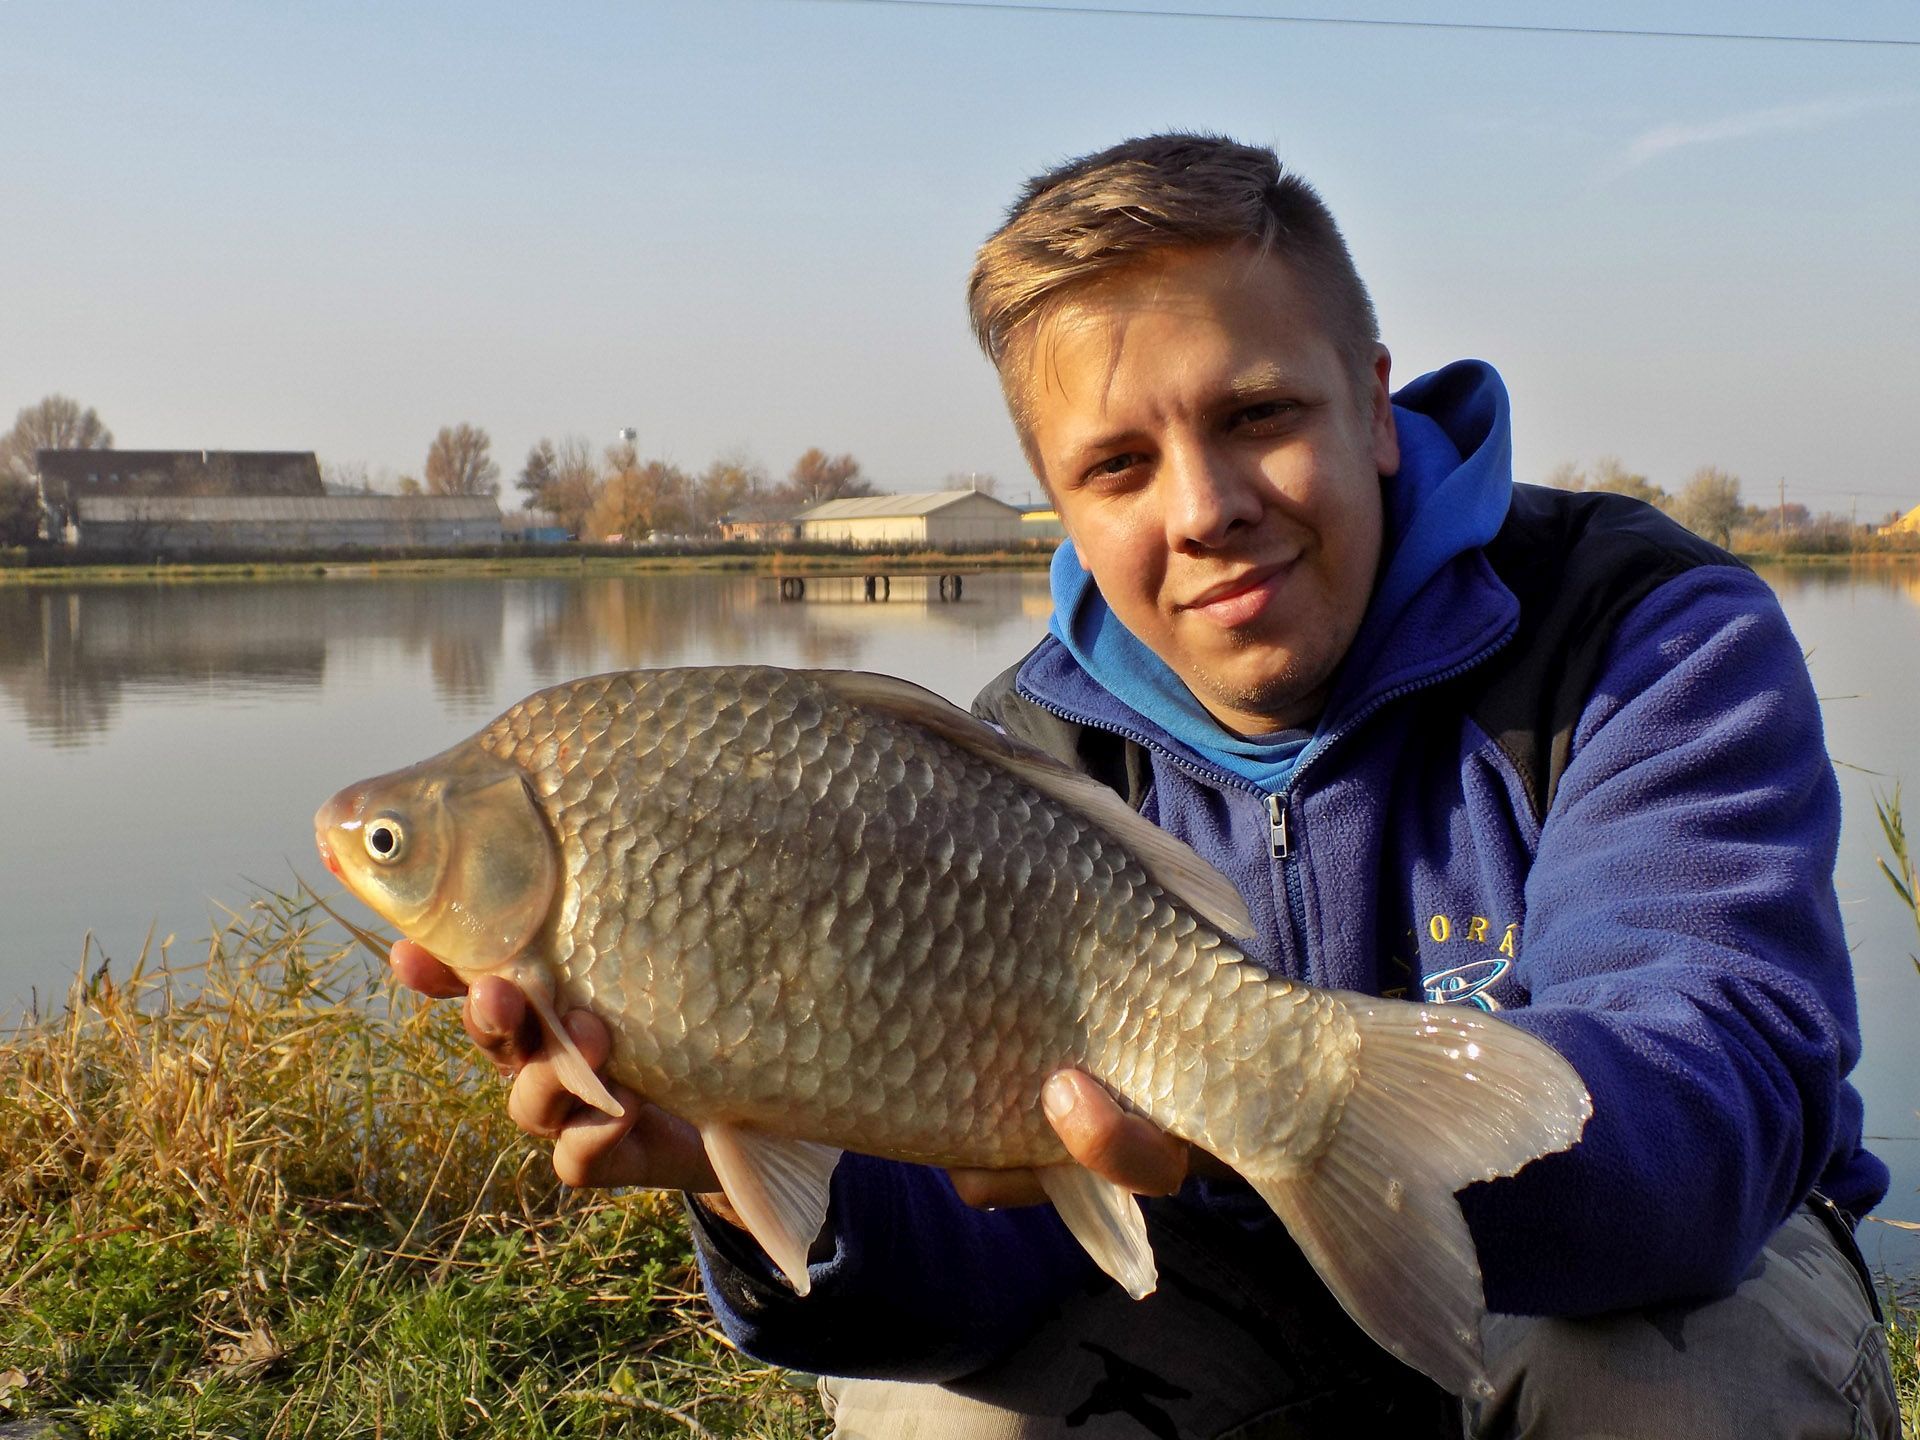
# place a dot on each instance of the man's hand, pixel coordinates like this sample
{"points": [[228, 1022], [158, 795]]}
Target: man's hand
{"points": [[643, 1146], [1129, 1150]]}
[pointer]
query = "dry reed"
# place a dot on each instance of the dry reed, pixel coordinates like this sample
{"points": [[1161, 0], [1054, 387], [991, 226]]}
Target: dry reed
{"points": [[264, 1194]]}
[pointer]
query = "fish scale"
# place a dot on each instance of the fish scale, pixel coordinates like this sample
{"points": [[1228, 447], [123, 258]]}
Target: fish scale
{"points": [[823, 910]]}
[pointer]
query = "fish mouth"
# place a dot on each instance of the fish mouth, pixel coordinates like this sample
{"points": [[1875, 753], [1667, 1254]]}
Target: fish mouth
{"points": [[342, 812]]}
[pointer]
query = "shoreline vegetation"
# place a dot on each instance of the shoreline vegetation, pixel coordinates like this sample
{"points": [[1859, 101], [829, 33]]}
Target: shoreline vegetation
{"points": [[34, 568], [42, 567], [267, 1194]]}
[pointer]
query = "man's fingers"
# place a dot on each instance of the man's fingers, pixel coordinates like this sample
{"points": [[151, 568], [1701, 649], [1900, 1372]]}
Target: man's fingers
{"points": [[646, 1146], [500, 1022], [414, 967], [538, 1103], [1129, 1150]]}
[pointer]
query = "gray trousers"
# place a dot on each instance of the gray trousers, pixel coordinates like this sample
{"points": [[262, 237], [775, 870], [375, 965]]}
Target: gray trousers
{"points": [[1214, 1354]]}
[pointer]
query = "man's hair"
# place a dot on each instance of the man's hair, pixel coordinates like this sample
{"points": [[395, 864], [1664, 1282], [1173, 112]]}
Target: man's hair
{"points": [[1093, 217]]}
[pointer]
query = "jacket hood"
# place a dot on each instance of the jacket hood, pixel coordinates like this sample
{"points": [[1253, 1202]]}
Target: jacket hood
{"points": [[1447, 500]]}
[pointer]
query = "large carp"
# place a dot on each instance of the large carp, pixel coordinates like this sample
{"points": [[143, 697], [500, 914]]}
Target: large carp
{"points": [[826, 910]]}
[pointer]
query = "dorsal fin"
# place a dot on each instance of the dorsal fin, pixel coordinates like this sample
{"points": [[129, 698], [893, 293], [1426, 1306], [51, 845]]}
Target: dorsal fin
{"points": [[1170, 861]]}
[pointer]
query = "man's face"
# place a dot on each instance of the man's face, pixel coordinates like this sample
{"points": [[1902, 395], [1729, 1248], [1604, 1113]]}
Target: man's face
{"points": [[1217, 466]]}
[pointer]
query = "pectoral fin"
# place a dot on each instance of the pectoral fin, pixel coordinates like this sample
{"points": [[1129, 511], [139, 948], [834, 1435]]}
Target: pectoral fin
{"points": [[779, 1187], [1106, 1220], [568, 1063]]}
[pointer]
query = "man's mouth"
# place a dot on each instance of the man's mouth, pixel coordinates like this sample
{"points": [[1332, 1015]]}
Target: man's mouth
{"points": [[1242, 598]]}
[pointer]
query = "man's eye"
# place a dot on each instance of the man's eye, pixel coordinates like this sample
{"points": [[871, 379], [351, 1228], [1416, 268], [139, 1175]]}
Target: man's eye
{"points": [[1114, 466], [1265, 410]]}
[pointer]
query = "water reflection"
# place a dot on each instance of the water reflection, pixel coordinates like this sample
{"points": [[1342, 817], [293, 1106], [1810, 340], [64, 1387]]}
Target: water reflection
{"points": [[578, 626], [69, 657], [1895, 577]]}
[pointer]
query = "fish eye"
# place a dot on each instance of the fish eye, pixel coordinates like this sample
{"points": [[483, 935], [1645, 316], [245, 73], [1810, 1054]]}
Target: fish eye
{"points": [[386, 841]]}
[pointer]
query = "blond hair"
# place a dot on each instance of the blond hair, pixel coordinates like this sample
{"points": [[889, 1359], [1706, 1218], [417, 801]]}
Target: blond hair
{"points": [[1092, 217]]}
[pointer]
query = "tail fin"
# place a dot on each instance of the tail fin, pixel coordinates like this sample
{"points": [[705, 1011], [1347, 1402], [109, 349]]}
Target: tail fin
{"points": [[1444, 1096]]}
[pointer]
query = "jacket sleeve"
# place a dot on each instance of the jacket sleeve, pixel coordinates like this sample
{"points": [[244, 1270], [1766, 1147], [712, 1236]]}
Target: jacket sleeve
{"points": [[909, 1282], [1682, 946]]}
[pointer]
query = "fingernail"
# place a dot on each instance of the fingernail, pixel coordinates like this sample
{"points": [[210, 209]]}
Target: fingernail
{"points": [[1057, 1097]]}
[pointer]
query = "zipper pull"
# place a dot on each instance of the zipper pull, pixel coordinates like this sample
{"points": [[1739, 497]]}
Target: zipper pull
{"points": [[1277, 826]]}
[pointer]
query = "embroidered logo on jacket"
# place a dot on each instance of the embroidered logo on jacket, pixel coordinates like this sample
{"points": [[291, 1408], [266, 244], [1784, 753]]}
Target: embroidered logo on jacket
{"points": [[1470, 982]]}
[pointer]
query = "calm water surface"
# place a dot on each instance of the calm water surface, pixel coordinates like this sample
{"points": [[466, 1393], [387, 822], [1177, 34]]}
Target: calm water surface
{"points": [[162, 747]]}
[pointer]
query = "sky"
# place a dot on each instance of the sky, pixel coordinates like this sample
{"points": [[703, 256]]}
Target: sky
{"points": [[742, 227]]}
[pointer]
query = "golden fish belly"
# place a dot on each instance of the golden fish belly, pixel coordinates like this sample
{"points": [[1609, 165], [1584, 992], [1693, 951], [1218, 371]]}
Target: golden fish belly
{"points": [[813, 919]]}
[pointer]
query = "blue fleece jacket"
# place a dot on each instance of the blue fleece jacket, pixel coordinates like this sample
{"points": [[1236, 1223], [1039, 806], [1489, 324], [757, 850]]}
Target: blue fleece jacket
{"points": [[1670, 927]]}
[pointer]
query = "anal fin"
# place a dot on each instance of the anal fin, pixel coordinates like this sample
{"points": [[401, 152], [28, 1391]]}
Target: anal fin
{"points": [[778, 1186], [1105, 1218]]}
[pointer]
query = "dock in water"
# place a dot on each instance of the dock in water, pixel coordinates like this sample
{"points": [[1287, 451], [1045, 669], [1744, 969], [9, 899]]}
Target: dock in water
{"points": [[873, 587]]}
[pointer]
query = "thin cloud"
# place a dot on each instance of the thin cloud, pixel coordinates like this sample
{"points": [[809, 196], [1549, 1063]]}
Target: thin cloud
{"points": [[1662, 140]]}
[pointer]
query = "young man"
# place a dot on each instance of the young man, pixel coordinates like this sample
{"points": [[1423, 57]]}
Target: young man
{"points": [[1538, 753]]}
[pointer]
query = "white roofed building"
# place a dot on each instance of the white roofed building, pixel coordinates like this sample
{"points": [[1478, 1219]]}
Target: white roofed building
{"points": [[939, 519]]}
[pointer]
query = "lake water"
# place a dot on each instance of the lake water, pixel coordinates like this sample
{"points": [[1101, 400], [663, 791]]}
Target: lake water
{"points": [[163, 746]]}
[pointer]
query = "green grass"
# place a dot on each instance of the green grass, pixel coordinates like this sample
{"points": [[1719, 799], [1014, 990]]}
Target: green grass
{"points": [[264, 1197], [1903, 1338], [1903, 1310]]}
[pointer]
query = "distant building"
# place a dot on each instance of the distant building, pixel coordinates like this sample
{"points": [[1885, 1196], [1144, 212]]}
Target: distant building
{"points": [[1907, 524], [533, 527], [940, 519], [764, 521], [183, 524], [1041, 522], [68, 476]]}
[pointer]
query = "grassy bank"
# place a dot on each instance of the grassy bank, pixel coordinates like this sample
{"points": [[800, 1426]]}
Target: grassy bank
{"points": [[23, 568], [262, 1197]]}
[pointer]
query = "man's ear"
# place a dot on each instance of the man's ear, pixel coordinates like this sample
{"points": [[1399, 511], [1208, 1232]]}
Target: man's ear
{"points": [[1385, 435]]}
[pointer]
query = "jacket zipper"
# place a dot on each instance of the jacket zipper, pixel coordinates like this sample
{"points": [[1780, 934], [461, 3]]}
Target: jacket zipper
{"points": [[1280, 840]]}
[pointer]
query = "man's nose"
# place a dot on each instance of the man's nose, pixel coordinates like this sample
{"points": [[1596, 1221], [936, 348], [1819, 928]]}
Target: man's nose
{"points": [[1208, 497]]}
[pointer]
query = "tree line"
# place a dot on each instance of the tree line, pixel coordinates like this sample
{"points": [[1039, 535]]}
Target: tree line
{"points": [[613, 494], [1710, 504]]}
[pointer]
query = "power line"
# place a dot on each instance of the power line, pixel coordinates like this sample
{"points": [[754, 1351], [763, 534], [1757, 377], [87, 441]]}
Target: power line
{"points": [[1046, 7]]}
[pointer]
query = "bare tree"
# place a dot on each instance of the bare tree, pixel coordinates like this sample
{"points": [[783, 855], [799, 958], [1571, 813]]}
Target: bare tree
{"points": [[1610, 475], [1709, 504], [459, 462], [818, 476], [723, 487], [1566, 476], [537, 475], [56, 423], [576, 478], [346, 477]]}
